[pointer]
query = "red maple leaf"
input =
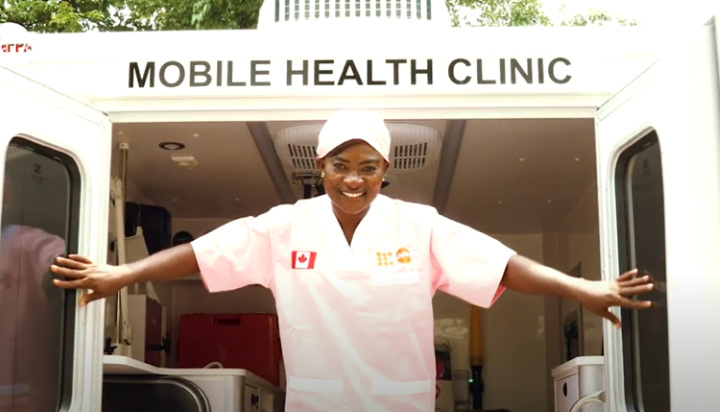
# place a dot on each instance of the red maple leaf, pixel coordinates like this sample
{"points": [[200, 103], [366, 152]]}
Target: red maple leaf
{"points": [[302, 258]]}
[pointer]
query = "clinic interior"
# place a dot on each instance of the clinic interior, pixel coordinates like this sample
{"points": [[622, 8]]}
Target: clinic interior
{"points": [[531, 183]]}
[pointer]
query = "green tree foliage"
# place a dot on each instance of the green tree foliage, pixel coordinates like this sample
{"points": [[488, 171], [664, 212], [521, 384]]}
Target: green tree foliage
{"points": [[496, 13], [58, 16], [191, 14], [118, 15], [505, 13], [597, 18]]}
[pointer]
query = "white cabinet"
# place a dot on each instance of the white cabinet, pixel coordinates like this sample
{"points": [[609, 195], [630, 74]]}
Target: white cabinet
{"points": [[577, 378], [147, 319], [251, 399], [566, 393], [236, 390], [226, 390]]}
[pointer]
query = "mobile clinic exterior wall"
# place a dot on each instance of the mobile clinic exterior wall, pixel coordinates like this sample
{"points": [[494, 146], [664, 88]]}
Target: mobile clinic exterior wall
{"points": [[286, 73], [300, 72]]}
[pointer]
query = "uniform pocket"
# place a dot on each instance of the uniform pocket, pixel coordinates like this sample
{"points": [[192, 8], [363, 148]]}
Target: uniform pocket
{"points": [[318, 394], [401, 388]]}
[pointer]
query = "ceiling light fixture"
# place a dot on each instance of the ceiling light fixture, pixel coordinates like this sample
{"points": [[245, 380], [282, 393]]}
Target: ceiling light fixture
{"points": [[185, 161], [171, 146]]}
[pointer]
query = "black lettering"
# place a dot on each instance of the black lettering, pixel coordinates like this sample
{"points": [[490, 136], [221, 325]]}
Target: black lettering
{"points": [[541, 71], [551, 70], [318, 72], [303, 72], [396, 69], [350, 65], [370, 80], [194, 73], [231, 81], [451, 71], [254, 72], [414, 71], [142, 79], [480, 79], [181, 74], [219, 77], [516, 68], [502, 71]]}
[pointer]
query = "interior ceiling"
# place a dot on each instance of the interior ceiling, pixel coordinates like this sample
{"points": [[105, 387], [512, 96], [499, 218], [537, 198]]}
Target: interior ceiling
{"points": [[511, 176], [522, 176]]}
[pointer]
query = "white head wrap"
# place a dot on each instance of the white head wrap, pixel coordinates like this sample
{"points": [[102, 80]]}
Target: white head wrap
{"points": [[348, 125]]}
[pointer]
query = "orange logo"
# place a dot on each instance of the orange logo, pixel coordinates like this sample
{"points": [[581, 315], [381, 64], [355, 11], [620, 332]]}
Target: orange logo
{"points": [[385, 259], [403, 255], [389, 258]]}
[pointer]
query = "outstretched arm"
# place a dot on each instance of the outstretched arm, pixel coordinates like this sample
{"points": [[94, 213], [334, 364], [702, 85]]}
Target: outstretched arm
{"points": [[104, 280], [234, 255], [526, 276], [168, 264]]}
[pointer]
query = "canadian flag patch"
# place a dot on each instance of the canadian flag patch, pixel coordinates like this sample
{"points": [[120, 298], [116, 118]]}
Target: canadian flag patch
{"points": [[303, 260]]}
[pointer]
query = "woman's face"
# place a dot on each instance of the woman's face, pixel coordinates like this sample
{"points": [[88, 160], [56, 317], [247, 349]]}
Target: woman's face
{"points": [[353, 177]]}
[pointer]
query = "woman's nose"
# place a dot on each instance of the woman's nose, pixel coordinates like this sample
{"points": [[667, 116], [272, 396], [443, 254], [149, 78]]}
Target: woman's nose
{"points": [[352, 179]]}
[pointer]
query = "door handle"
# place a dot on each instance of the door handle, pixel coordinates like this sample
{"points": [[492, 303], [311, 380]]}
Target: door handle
{"points": [[598, 397]]}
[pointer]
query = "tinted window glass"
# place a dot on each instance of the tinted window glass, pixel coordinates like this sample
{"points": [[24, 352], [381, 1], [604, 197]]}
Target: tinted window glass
{"points": [[642, 245], [39, 223]]}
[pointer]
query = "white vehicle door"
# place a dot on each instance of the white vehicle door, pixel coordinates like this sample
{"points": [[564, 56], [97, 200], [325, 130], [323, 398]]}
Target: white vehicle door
{"points": [[55, 163], [658, 164]]}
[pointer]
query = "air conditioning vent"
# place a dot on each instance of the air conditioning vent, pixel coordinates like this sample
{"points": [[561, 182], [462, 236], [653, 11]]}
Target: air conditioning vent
{"points": [[277, 13], [302, 156], [414, 147], [411, 156]]}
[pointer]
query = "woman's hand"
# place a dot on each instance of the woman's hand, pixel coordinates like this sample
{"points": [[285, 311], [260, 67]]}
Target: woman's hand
{"points": [[81, 273], [599, 296]]}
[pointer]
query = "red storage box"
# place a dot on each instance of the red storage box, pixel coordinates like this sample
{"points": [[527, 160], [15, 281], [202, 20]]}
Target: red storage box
{"points": [[237, 341]]}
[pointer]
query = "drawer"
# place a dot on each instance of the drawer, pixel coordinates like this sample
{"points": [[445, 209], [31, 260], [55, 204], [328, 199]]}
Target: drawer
{"points": [[251, 399], [567, 392]]}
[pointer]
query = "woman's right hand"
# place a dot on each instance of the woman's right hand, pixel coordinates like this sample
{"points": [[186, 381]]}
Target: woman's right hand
{"points": [[101, 280]]}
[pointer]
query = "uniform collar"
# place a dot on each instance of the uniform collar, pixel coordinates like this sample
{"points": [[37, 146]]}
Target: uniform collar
{"points": [[366, 234]]}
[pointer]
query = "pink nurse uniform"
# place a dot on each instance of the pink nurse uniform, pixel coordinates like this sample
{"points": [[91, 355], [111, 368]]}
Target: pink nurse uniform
{"points": [[356, 320]]}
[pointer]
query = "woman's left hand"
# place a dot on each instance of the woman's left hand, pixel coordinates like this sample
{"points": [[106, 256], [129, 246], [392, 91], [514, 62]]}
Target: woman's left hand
{"points": [[599, 296]]}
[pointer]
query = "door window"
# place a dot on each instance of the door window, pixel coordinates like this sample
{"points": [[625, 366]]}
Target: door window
{"points": [[39, 222], [641, 237]]}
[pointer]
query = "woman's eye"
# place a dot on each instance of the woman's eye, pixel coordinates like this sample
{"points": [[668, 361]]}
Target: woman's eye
{"points": [[339, 166], [370, 169]]}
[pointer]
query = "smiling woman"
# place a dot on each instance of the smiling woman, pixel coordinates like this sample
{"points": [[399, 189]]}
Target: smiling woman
{"points": [[352, 179], [353, 171], [354, 293], [353, 155]]}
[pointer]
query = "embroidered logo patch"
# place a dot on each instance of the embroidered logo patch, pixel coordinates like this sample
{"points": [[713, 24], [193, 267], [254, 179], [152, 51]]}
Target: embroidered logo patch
{"points": [[385, 258], [402, 256], [303, 260]]}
